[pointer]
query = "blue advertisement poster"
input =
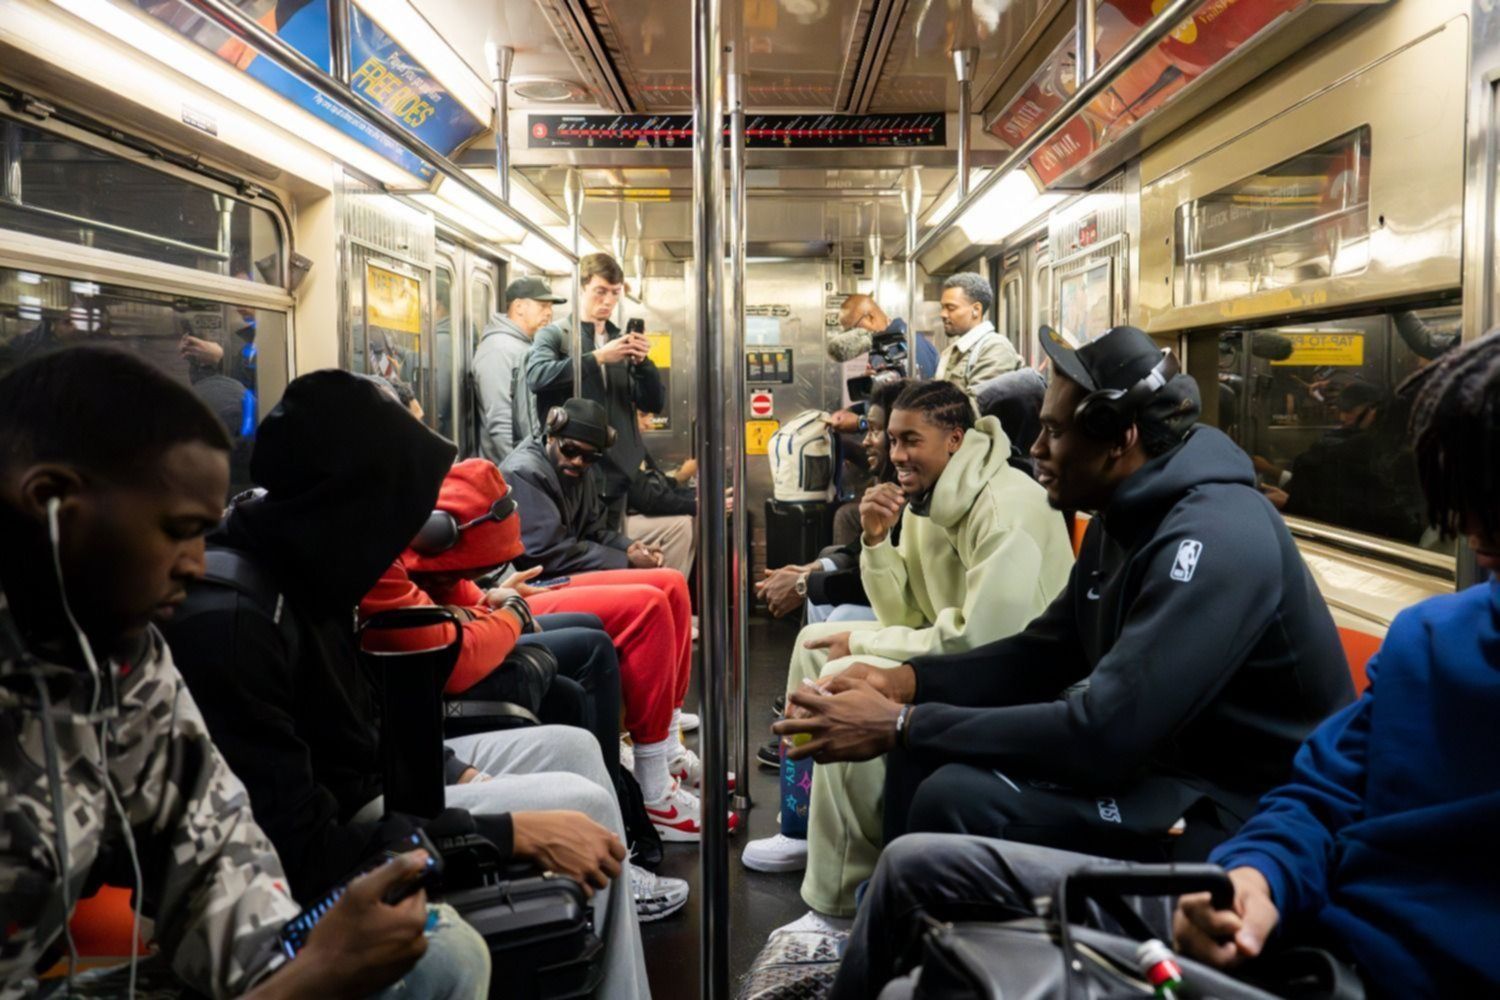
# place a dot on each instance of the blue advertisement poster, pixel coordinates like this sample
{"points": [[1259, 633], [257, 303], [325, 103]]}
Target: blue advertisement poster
{"points": [[384, 75]]}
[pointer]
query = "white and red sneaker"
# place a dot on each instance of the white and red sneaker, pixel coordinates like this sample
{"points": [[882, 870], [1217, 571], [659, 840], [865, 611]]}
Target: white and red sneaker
{"points": [[678, 816], [687, 768]]}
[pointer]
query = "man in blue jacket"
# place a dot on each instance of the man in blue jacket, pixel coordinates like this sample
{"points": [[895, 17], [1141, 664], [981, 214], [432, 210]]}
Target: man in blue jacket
{"points": [[1383, 843], [1381, 847]]}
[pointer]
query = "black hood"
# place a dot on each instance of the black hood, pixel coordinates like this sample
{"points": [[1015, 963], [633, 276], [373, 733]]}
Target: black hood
{"points": [[1206, 456], [350, 476]]}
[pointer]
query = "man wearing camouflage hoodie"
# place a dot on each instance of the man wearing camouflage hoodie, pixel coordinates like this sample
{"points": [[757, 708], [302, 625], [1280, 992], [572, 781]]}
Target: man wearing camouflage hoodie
{"points": [[107, 773]]}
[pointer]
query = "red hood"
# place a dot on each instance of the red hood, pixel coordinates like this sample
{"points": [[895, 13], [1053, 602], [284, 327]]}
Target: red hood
{"points": [[469, 491]]}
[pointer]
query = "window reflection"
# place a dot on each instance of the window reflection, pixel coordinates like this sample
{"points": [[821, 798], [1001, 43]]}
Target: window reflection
{"points": [[214, 347], [64, 190], [1315, 405]]}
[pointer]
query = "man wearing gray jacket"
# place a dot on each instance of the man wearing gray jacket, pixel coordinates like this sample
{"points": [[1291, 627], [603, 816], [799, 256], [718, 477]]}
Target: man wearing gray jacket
{"points": [[507, 407]]}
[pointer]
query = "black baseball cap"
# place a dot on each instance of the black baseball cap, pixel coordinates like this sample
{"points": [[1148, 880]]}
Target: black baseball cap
{"points": [[1117, 359], [531, 288]]}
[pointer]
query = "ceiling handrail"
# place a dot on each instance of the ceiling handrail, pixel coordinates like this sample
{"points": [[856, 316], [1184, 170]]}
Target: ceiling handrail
{"points": [[1152, 32]]}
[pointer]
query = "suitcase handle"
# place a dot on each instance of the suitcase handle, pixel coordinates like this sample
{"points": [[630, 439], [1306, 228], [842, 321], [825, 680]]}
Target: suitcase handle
{"points": [[1091, 881]]}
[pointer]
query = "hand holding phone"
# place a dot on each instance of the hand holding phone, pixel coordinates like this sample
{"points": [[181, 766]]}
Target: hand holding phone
{"points": [[390, 881]]}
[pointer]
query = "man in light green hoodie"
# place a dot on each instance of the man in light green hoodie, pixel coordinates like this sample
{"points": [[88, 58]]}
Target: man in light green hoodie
{"points": [[981, 555]]}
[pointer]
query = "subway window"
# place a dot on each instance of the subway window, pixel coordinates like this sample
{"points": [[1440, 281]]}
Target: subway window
{"points": [[1316, 407], [59, 188], [213, 347]]}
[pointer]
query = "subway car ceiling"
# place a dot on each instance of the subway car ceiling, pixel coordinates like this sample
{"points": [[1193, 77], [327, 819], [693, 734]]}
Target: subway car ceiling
{"points": [[1256, 179]]}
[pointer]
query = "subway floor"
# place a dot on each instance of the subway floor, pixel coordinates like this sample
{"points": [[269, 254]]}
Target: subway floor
{"points": [[758, 902]]}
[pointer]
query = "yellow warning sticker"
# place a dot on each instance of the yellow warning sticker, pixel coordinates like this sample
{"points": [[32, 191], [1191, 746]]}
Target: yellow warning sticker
{"points": [[1334, 348], [661, 349], [758, 435]]}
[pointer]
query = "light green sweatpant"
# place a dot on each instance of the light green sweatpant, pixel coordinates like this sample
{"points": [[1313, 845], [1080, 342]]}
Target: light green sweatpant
{"points": [[845, 814]]}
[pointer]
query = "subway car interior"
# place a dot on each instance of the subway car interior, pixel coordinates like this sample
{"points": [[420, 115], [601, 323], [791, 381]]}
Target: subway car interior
{"points": [[1050, 415]]}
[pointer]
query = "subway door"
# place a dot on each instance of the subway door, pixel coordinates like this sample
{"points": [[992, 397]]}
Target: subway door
{"points": [[389, 325]]}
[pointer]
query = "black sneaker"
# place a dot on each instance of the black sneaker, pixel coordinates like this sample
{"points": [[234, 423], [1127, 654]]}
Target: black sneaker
{"points": [[778, 706], [769, 754]]}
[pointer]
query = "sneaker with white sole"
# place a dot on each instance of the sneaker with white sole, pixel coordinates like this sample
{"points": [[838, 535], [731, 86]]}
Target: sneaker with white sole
{"points": [[775, 854], [687, 768], [656, 896], [689, 721], [678, 816], [813, 922]]}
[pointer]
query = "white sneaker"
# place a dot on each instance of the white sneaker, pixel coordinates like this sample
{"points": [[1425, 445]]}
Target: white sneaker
{"points": [[695, 628], [678, 816], [627, 754], [775, 854], [813, 922], [656, 896], [687, 768], [689, 721]]}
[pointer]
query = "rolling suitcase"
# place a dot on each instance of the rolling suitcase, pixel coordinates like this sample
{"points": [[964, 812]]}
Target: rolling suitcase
{"points": [[541, 936], [796, 532]]}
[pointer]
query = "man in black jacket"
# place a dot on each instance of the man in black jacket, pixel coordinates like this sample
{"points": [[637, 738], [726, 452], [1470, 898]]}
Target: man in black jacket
{"points": [[618, 373], [270, 654], [1190, 624]]}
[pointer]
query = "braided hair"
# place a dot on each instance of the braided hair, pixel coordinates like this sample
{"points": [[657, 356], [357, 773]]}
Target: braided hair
{"points": [[941, 402], [1455, 430]]}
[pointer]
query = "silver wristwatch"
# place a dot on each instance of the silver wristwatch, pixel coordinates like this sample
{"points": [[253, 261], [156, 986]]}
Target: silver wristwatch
{"points": [[801, 587]]}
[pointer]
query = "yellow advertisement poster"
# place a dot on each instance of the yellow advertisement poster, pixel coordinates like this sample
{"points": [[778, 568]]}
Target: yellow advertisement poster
{"points": [[1333, 349], [661, 349], [758, 435], [392, 301]]}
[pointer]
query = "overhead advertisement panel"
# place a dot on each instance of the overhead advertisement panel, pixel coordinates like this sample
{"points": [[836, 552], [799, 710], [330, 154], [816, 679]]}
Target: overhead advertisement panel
{"points": [[384, 75], [1217, 29]]}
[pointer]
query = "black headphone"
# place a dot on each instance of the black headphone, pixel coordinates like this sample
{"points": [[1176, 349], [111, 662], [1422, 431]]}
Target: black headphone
{"points": [[442, 530], [1106, 414], [557, 420]]}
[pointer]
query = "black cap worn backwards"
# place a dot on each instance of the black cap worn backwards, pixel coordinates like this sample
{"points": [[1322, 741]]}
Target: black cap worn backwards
{"points": [[1117, 359], [531, 288]]}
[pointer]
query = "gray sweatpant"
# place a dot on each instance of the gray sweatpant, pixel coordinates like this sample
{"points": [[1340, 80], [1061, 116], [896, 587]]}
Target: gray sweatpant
{"points": [[558, 767]]}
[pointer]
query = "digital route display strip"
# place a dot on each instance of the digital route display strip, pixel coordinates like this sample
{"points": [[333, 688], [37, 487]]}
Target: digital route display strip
{"points": [[761, 131]]}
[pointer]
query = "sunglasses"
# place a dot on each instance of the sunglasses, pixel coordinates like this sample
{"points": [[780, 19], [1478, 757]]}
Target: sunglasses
{"points": [[571, 450]]}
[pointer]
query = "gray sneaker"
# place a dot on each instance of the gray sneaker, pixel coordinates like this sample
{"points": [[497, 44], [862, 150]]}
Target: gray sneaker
{"points": [[656, 896]]}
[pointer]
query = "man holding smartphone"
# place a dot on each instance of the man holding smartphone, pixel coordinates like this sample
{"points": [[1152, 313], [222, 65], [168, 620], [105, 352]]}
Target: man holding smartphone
{"points": [[618, 374]]}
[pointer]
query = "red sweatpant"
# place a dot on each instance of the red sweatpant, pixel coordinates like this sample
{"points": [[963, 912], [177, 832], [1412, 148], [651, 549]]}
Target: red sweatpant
{"points": [[648, 615]]}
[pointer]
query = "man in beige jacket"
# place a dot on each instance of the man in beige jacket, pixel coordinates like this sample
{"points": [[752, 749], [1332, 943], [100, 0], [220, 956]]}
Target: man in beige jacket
{"points": [[976, 351]]}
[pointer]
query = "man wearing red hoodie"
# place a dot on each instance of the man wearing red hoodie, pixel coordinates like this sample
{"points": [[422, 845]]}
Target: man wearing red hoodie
{"points": [[475, 530]]}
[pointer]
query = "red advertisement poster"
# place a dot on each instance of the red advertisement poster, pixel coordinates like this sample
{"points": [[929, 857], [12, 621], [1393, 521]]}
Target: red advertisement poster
{"points": [[1215, 30]]}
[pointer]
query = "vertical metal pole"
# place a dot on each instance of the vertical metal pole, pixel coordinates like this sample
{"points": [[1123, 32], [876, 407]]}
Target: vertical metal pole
{"points": [[500, 61], [1087, 29], [573, 202], [876, 245], [963, 68], [740, 520], [911, 203], [617, 247], [338, 40], [713, 388]]}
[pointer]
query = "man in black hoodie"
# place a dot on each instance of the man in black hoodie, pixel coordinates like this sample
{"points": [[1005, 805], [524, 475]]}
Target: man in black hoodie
{"points": [[349, 477], [1168, 687]]}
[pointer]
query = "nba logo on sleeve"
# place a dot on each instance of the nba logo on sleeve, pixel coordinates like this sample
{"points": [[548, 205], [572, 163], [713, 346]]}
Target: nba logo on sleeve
{"points": [[1187, 560]]}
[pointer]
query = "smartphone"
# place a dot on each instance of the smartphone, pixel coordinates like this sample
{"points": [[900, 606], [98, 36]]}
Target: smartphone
{"points": [[294, 933], [554, 583], [636, 325]]}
